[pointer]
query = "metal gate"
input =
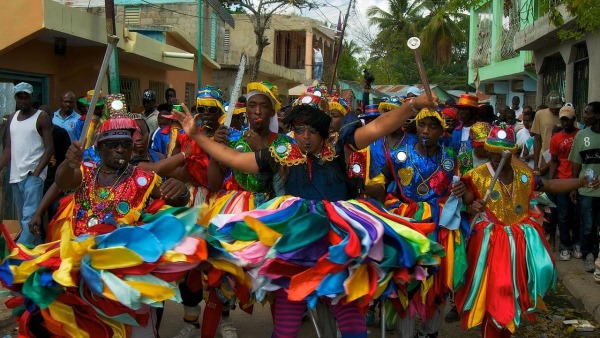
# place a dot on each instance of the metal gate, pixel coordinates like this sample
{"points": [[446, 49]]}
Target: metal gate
{"points": [[554, 74]]}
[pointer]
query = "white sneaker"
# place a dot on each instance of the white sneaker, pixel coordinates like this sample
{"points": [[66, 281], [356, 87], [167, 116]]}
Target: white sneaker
{"points": [[188, 331], [589, 264], [577, 252], [565, 255], [227, 329], [597, 274]]}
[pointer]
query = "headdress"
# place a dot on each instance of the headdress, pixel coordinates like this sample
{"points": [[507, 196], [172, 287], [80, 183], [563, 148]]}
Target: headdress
{"points": [[210, 96], [467, 101], [501, 138], [311, 109], [119, 123], [479, 132], [390, 104], [430, 113], [371, 110], [339, 104], [450, 112], [86, 100], [264, 88]]}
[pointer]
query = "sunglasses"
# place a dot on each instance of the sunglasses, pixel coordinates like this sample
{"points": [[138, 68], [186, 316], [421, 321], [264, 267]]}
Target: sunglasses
{"points": [[125, 144], [301, 129], [208, 110]]}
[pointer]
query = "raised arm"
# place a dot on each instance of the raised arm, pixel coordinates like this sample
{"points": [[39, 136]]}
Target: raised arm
{"points": [[390, 121], [68, 173], [228, 157]]}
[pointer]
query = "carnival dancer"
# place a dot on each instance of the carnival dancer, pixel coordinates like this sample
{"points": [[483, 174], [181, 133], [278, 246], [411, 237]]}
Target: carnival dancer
{"points": [[338, 108], [477, 155], [468, 113], [163, 141], [101, 283], [209, 108], [510, 265], [313, 171], [422, 180], [235, 192]]}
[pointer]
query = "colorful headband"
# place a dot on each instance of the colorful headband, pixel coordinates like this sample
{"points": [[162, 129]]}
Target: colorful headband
{"points": [[266, 88], [424, 113], [339, 104], [210, 96]]}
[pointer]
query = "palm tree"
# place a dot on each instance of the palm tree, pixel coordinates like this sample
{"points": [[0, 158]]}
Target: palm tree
{"points": [[440, 30], [396, 25]]}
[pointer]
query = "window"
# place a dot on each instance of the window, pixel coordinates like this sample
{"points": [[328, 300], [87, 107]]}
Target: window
{"points": [[213, 35], [132, 15], [159, 88], [553, 74], [130, 87], [226, 41], [581, 79], [190, 94]]}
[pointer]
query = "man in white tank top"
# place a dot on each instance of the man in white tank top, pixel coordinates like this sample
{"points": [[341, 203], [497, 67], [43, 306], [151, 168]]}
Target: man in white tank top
{"points": [[28, 148]]}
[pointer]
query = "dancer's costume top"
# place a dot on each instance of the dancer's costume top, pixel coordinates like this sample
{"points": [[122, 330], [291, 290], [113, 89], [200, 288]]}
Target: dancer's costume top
{"points": [[510, 265], [103, 282]]}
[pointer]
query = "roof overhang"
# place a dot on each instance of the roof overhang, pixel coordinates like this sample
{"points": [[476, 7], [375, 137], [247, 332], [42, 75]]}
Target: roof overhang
{"points": [[46, 20], [192, 46], [542, 33]]}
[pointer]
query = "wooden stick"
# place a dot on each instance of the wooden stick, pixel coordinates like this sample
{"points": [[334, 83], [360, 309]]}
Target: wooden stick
{"points": [[414, 43]]}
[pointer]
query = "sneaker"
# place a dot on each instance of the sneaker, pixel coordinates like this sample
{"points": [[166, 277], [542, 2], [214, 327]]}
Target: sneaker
{"points": [[370, 318], [452, 316], [589, 264], [189, 330], [565, 255], [577, 252], [389, 327], [227, 329], [597, 275]]}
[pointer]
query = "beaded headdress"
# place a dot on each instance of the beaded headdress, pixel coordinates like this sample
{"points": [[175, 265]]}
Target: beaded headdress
{"points": [[117, 119], [88, 98], [479, 132]]}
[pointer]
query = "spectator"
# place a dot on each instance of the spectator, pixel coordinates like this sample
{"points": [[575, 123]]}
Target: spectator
{"points": [[317, 62], [584, 155], [524, 138], [66, 117], [468, 114], [487, 113], [171, 96], [150, 113], [541, 130], [516, 106], [28, 149], [560, 167]]}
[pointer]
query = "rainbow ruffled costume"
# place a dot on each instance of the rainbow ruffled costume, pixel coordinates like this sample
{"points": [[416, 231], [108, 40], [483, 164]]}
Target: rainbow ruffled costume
{"points": [[510, 265], [103, 285]]}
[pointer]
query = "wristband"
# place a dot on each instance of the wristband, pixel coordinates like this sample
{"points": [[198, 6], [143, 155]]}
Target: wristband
{"points": [[187, 193]]}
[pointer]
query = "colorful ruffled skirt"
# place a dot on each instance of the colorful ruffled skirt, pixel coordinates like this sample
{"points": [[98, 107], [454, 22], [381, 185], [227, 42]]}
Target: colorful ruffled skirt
{"points": [[102, 285], [347, 250], [423, 297], [510, 270]]}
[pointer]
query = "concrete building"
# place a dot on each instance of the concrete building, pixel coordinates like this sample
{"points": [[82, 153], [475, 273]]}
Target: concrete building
{"points": [[58, 47], [496, 67], [565, 66], [287, 61]]}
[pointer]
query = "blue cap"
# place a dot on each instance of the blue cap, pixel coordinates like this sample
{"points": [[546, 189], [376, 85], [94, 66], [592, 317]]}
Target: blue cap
{"points": [[23, 87], [413, 90]]}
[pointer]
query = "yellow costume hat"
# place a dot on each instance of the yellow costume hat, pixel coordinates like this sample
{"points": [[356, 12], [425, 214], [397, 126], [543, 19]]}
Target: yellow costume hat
{"points": [[264, 88], [210, 96], [430, 113]]}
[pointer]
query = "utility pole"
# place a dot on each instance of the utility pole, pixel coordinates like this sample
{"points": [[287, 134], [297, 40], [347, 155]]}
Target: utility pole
{"points": [[199, 65], [339, 47], [113, 63]]}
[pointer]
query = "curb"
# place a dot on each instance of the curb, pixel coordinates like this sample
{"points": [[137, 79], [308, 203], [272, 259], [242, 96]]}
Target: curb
{"points": [[580, 284]]}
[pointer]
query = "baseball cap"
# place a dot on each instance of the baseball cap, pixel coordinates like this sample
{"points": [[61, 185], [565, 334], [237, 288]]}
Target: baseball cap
{"points": [[554, 100], [567, 111], [23, 87], [149, 95]]}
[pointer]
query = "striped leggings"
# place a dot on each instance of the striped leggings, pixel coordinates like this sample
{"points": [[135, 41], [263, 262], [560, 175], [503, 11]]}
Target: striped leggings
{"points": [[287, 318]]}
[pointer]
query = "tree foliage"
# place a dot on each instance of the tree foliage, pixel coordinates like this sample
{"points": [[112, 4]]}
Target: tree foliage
{"points": [[348, 65], [443, 34], [260, 13]]}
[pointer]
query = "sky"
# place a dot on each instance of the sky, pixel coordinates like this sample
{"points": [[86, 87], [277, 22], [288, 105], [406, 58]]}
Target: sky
{"points": [[358, 22]]}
